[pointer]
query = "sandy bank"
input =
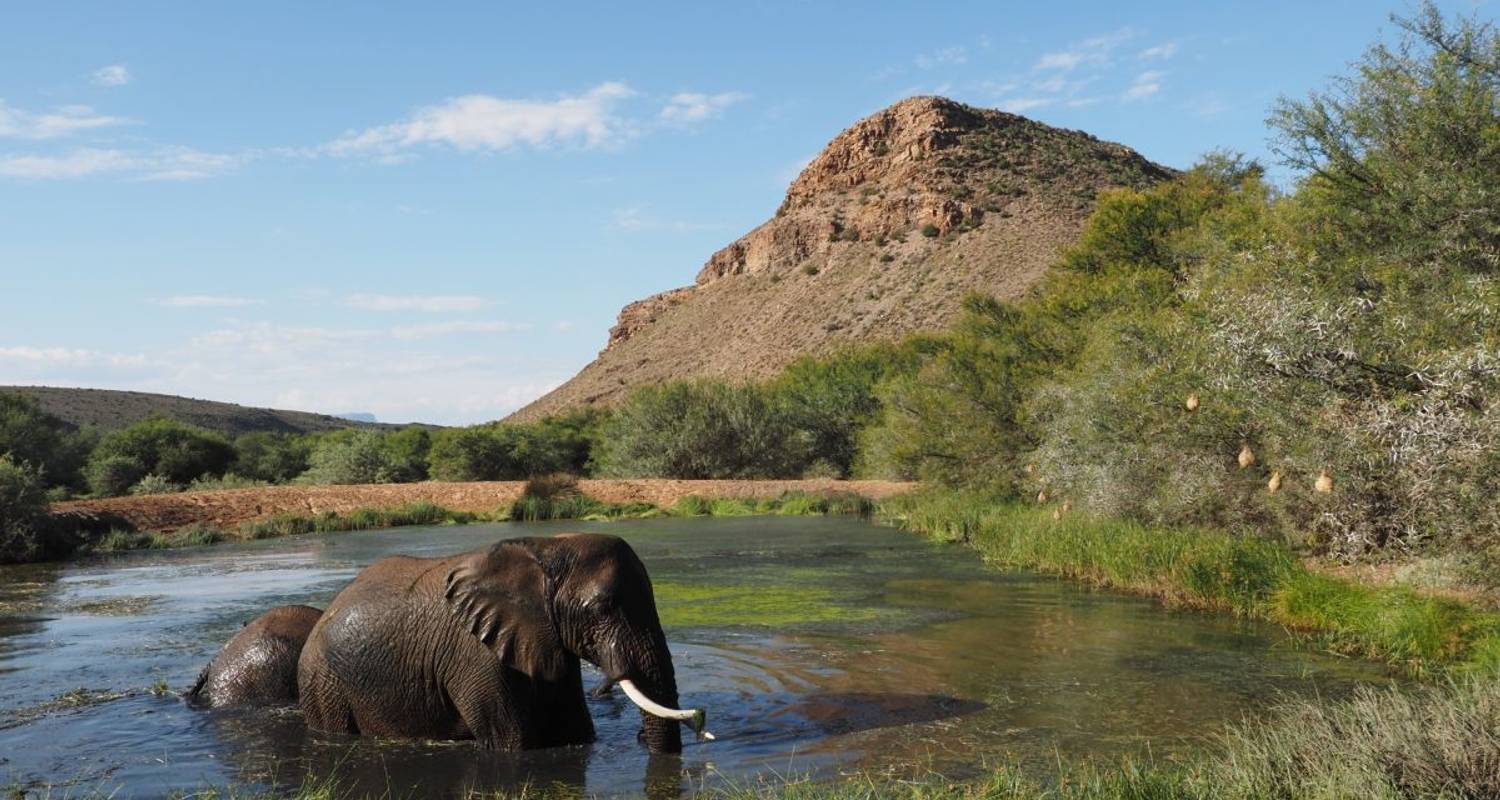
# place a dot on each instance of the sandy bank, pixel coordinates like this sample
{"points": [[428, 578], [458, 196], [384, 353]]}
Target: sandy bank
{"points": [[228, 508]]}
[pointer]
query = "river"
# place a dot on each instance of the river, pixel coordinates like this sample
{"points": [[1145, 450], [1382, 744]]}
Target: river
{"points": [[820, 646]]}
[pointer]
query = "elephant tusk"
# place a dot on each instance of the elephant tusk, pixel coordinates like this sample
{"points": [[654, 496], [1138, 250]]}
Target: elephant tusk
{"points": [[692, 716]]}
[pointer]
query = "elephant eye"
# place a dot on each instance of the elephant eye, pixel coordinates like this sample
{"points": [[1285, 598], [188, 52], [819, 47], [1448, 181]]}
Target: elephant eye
{"points": [[602, 600]]}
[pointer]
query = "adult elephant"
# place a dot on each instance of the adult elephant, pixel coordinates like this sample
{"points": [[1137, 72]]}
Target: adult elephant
{"points": [[487, 645]]}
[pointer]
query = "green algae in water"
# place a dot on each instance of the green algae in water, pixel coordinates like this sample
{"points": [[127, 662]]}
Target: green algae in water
{"points": [[776, 606]]}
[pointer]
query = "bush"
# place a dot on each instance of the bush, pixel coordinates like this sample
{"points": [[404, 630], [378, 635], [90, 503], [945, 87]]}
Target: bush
{"points": [[271, 457], [507, 451], [178, 453], [154, 484], [228, 481], [350, 457], [111, 476], [407, 451], [930, 231], [703, 429], [32, 436], [23, 506]]}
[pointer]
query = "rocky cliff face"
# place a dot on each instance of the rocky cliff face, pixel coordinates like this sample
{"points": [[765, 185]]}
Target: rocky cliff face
{"points": [[881, 235]]}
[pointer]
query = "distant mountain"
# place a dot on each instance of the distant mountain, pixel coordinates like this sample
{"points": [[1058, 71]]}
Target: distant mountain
{"points": [[108, 409], [357, 416], [881, 235]]}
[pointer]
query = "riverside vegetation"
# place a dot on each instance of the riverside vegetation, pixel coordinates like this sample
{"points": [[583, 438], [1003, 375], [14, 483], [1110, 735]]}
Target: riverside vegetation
{"points": [[1219, 380]]}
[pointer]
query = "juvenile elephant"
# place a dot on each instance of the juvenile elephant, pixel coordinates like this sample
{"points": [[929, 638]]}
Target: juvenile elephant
{"points": [[259, 665], [487, 645]]}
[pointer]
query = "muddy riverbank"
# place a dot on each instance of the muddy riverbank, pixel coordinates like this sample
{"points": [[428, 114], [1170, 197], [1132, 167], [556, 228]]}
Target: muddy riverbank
{"points": [[228, 509]]}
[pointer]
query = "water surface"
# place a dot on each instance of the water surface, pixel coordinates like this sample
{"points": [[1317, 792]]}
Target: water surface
{"points": [[819, 646]]}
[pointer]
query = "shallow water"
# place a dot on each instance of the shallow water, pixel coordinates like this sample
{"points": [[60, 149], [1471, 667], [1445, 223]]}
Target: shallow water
{"points": [[818, 645]]}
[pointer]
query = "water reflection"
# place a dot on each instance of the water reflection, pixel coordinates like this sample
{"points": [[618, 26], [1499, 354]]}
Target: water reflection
{"points": [[887, 653]]}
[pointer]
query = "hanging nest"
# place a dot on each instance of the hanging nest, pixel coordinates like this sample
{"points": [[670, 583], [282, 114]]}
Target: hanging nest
{"points": [[1246, 457], [1274, 484], [1324, 484], [1192, 403]]}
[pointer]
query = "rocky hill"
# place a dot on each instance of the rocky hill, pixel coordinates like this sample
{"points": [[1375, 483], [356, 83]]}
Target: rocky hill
{"points": [[108, 409], [881, 235]]}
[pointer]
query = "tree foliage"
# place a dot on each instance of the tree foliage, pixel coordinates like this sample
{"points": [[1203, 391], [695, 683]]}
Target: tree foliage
{"points": [[176, 452]]}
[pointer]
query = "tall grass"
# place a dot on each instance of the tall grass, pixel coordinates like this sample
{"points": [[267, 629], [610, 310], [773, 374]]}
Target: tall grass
{"points": [[420, 513], [1215, 571], [1438, 742]]}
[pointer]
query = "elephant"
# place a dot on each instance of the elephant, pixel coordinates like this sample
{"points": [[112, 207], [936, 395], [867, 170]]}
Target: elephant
{"points": [[259, 665], [488, 645]]}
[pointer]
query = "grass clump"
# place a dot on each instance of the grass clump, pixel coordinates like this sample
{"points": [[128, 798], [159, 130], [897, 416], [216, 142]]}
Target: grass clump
{"points": [[419, 513], [1435, 743], [692, 505], [1210, 570]]}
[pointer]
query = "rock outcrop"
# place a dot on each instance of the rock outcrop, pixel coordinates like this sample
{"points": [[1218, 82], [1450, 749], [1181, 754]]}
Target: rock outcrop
{"points": [[880, 236]]}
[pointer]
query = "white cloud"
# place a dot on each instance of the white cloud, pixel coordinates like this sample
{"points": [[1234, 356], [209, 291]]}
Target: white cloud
{"points": [[112, 75], [479, 122], [77, 164], [563, 326], [946, 56], [429, 330], [67, 357], [55, 124], [686, 108], [205, 301], [1146, 85], [1094, 51], [171, 164], [265, 338], [1016, 105], [1162, 51], [635, 219], [427, 303]]}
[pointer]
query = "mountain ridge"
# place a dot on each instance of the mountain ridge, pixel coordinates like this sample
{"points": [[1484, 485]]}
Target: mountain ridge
{"points": [[112, 409], [881, 235]]}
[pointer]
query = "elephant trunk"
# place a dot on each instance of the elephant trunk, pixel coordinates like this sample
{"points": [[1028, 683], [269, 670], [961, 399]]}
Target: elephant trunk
{"points": [[657, 687]]}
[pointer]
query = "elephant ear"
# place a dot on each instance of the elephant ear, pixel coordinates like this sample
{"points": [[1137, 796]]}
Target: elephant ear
{"points": [[499, 595]]}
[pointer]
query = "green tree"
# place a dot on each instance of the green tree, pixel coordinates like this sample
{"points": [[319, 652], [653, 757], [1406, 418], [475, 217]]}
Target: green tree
{"points": [[408, 451], [174, 451], [702, 429], [350, 457], [23, 505], [271, 457], [468, 454], [830, 399], [1402, 153], [33, 436]]}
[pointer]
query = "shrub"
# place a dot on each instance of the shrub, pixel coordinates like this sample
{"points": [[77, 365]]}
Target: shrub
{"points": [[507, 451], [407, 452], [35, 437], [469, 454], [154, 484], [177, 452], [271, 457], [228, 481], [111, 476], [351, 457], [702, 429], [930, 231], [23, 505]]}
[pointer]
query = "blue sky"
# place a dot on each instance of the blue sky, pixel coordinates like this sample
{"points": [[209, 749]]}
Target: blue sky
{"points": [[434, 215]]}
